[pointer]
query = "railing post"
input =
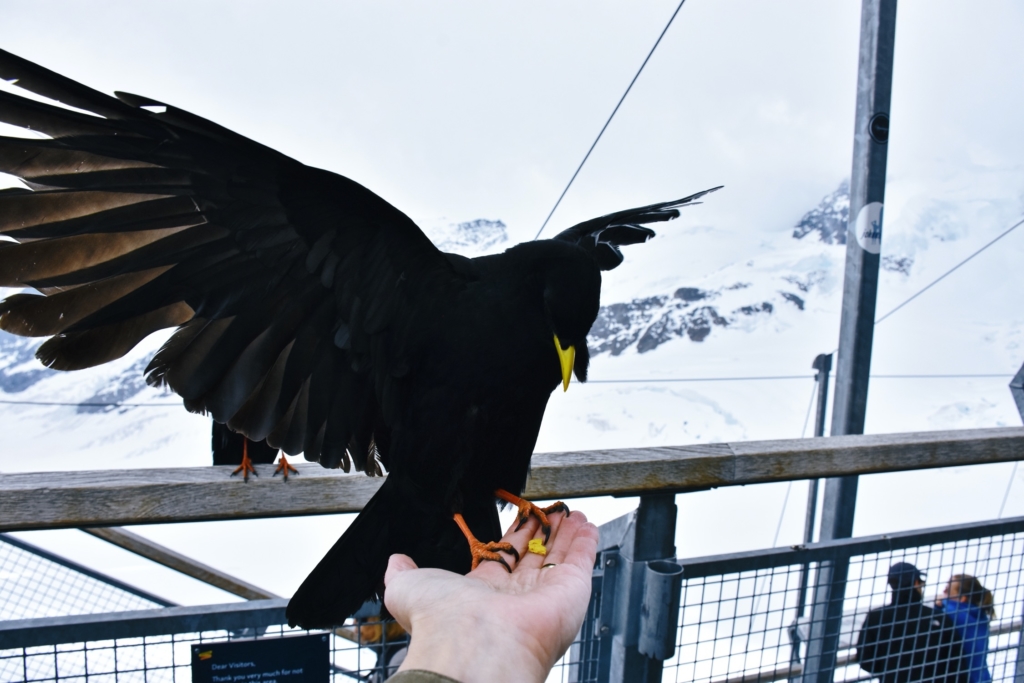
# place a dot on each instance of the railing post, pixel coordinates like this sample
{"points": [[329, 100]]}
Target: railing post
{"points": [[648, 536]]}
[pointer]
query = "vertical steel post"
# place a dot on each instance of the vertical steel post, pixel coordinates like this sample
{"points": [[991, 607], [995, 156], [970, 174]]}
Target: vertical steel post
{"points": [[823, 364], [856, 331], [650, 535]]}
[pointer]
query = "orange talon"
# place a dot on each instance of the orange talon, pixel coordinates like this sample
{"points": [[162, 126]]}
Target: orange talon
{"points": [[526, 508], [283, 466], [485, 551], [246, 467]]}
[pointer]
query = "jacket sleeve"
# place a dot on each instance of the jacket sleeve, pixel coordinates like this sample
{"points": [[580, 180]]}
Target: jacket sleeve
{"points": [[951, 665], [420, 676], [867, 645]]}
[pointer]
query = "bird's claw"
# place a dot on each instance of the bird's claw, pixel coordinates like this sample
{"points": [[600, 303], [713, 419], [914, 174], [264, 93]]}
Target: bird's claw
{"points": [[485, 551], [284, 467], [489, 551], [246, 468], [528, 509]]}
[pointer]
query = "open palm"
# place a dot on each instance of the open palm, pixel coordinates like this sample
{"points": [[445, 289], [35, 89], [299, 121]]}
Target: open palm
{"points": [[491, 624]]}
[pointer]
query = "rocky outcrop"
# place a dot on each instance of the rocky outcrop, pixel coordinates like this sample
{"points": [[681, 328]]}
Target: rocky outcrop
{"points": [[19, 368], [829, 219]]}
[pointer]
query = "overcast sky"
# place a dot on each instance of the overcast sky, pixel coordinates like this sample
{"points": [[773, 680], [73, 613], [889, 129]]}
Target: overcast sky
{"points": [[459, 110]]}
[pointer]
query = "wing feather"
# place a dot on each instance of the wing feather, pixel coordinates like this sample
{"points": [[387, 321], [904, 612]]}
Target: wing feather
{"points": [[605, 234], [31, 315], [21, 209], [88, 348], [289, 284], [45, 260]]}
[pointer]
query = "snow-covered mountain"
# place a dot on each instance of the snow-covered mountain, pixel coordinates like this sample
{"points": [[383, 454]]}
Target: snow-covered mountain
{"points": [[694, 303], [746, 318]]}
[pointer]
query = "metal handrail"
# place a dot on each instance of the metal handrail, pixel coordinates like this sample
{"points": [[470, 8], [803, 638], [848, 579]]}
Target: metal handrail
{"points": [[232, 616], [829, 550]]}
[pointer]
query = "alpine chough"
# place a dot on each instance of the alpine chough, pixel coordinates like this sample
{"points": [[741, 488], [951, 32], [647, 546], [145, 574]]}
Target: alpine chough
{"points": [[310, 313]]}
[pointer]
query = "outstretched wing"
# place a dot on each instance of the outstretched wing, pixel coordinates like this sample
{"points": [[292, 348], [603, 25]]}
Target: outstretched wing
{"points": [[295, 289], [606, 234]]}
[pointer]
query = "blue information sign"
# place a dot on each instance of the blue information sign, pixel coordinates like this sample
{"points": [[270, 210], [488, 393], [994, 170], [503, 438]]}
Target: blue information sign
{"points": [[295, 659]]}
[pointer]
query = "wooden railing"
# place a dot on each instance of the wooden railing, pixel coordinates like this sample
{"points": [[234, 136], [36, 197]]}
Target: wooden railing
{"points": [[52, 500]]}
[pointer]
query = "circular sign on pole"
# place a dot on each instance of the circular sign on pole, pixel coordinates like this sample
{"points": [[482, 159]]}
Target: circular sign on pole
{"points": [[879, 127], [869, 227]]}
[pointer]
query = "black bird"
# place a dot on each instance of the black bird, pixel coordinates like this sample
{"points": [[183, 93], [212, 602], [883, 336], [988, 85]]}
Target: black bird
{"points": [[309, 313]]}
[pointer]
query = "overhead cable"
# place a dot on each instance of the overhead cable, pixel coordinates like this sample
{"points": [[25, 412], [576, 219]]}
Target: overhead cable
{"points": [[605, 126], [783, 377], [948, 272]]}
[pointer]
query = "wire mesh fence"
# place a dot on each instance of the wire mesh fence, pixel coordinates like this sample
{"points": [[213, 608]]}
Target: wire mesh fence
{"points": [[168, 658], [42, 591], [746, 626], [744, 618], [359, 651], [35, 583]]}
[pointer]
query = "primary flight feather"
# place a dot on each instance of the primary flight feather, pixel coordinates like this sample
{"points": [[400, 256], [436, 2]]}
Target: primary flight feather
{"points": [[310, 313]]}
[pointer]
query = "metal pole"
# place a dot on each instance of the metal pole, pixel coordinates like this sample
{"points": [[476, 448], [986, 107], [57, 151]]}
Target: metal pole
{"points": [[823, 364], [650, 536], [856, 330]]}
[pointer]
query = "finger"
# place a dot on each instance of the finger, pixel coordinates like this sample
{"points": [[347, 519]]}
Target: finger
{"points": [[558, 520], [582, 552], [568, 529], [493, 571]]}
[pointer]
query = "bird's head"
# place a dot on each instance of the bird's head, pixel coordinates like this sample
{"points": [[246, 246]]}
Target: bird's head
{"points": [[572, 297], [572, 294], [571, 265]]}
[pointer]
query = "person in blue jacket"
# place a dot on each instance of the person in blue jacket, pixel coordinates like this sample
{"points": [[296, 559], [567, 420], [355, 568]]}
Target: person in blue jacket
{"points": [[969, 605]]}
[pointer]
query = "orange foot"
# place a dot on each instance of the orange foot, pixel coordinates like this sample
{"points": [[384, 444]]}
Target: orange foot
{"points": [[485, 551], [283, 466], [246, 467], [526, 508]]}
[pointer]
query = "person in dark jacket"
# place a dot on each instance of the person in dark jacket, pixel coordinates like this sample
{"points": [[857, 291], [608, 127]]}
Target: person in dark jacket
{"points": [[969, 605], [906, 640]]}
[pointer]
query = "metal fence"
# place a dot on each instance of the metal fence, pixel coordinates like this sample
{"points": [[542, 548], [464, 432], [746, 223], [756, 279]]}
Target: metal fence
{"points": [[741, 618], [156, 645], [745, 618], [36, 583]]}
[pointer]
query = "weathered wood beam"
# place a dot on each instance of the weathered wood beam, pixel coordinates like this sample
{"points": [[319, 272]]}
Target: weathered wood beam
{"points": [[49, 500], [182, 563]]}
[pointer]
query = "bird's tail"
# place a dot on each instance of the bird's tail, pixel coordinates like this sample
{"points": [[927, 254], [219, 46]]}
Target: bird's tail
{"points": [[402, 517], [352, 571]]}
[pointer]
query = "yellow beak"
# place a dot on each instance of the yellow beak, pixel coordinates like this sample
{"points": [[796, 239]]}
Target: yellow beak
{"points": [[566, 357]]}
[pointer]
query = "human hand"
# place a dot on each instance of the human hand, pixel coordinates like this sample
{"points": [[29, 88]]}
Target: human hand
{"points": [[492, 625]]}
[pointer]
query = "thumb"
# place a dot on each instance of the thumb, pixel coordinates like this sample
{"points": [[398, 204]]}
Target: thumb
{"points": [[398, 564], [397, 592]]}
